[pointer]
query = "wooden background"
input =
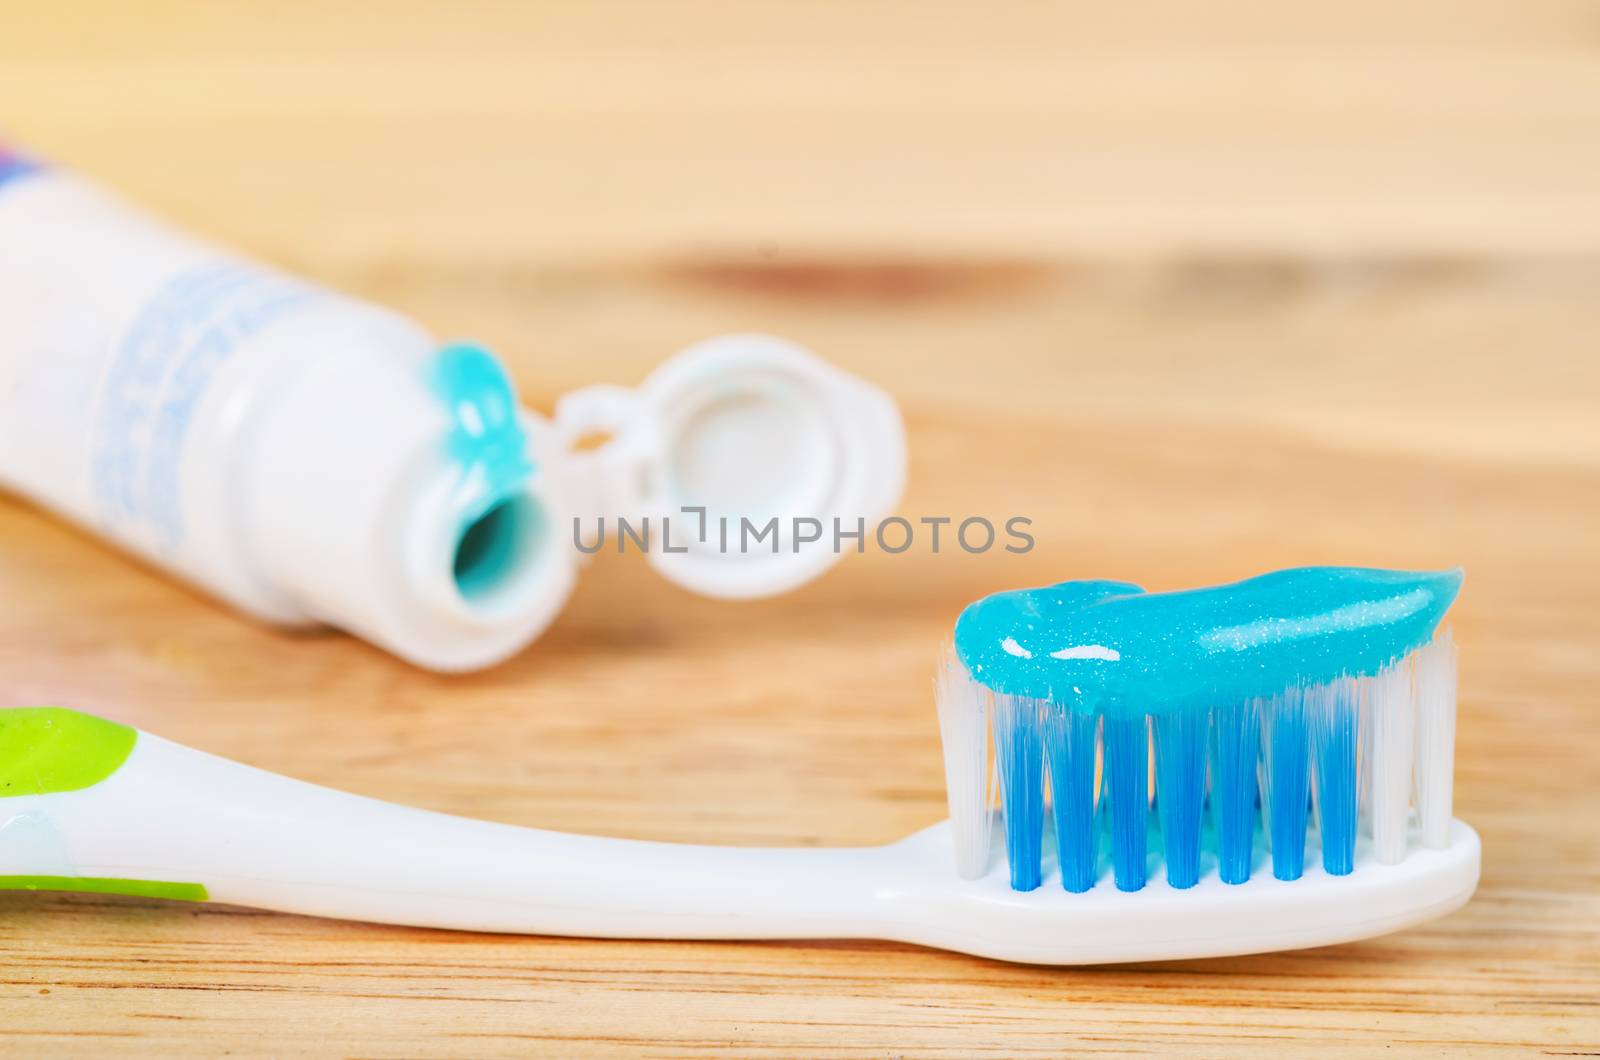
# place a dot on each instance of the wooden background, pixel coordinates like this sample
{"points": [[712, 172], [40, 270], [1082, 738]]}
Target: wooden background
{"points": [[1202, 291]]}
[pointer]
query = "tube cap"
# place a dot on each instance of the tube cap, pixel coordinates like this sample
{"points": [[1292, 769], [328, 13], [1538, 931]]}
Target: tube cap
{"points": [[747, 458]]}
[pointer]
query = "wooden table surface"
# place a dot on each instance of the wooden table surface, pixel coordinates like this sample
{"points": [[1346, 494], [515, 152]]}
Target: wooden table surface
{"points": [[1202, 292]]}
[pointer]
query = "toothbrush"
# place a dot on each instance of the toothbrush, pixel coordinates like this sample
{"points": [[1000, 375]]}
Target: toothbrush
{"points": [[90, 805]]}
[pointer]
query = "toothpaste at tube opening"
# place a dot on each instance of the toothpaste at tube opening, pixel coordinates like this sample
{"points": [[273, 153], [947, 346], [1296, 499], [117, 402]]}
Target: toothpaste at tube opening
{"points": [[313, 458]]}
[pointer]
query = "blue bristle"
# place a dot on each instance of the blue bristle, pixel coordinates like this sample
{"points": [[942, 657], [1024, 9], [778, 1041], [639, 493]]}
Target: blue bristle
{"points": [[1019, 759], [1284, 732], [1180, 792], [1334, 733], [1127, 787], [1070, 745], [1235, 746]]}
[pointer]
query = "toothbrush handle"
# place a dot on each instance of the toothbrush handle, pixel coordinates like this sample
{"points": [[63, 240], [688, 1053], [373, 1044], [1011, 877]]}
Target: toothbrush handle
{"points": [[88, 805], [181, 817]]}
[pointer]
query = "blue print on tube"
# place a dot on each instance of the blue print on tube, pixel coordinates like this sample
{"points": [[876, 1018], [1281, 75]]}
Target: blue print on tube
{"points": [[14, 165]]}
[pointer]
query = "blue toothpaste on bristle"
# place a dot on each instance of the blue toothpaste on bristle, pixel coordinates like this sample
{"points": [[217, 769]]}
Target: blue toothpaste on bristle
{"points": [[1266, 670]]}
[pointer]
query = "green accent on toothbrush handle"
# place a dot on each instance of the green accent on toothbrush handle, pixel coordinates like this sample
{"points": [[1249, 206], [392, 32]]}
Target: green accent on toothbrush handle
{"points": [[50, 749], [178, 892]]}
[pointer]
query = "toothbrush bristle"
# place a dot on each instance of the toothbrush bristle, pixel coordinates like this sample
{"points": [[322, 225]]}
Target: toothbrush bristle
{"points": [[1019, 762], [1333, 710], [1286, 789], [1436, 737], [1235, 745], [1393, 716], [1181, 793], [1071, 740], [1304, 773], [964, 709], [1127, 790]]}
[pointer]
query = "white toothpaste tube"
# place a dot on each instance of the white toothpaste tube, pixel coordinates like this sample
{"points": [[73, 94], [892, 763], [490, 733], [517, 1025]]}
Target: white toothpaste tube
{"points": [[315, 459]]}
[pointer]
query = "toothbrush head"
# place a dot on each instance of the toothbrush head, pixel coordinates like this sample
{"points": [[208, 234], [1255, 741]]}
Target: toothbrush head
{"points": [[1281, 742], [933, 906]]}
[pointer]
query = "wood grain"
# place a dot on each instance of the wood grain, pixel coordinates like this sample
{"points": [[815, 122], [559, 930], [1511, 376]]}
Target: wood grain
{"points": [[1201, 292]]}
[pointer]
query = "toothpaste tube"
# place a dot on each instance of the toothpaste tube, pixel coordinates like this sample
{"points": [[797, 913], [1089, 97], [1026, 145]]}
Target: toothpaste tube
{"points": [[315, 459]]}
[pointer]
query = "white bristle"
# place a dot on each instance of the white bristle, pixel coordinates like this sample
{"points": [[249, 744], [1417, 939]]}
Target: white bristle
{"points": [[1435, 690], [1364, 697], [1393, 715], [964, 710]]}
